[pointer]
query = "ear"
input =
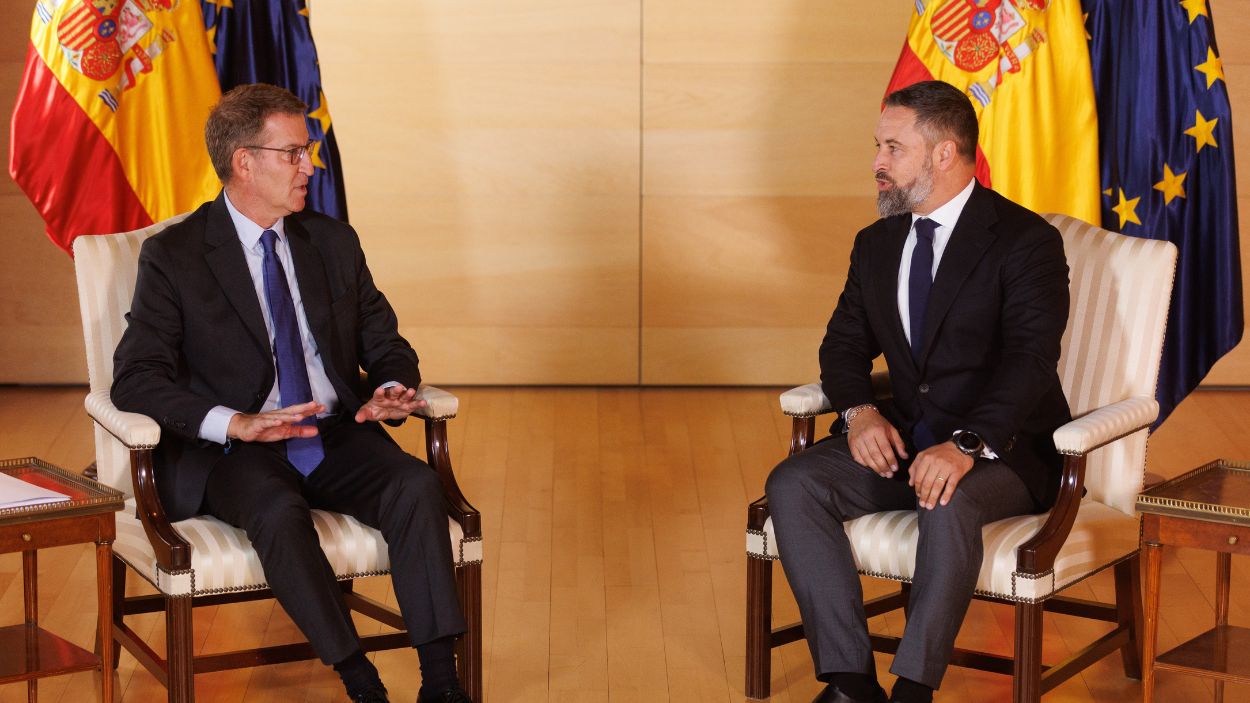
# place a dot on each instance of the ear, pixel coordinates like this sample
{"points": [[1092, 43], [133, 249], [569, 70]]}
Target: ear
{"points": [[945, 154], [241, 164]]}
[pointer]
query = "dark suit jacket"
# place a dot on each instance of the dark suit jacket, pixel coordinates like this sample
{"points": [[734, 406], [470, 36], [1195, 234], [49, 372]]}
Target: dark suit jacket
{"points": [[996, 314], [196, 337]]}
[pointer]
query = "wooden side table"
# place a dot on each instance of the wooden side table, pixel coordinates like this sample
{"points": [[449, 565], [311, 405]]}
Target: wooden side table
{"points": [[1207, 508], [28, 652]]}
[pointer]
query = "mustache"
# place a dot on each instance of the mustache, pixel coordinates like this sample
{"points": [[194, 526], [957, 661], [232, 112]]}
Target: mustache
{"points": [[883, 176]]}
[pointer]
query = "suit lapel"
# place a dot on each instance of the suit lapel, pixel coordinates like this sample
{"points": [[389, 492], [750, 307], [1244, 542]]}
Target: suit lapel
{"points": [[972, 236], [885, 275], [225, 259], [310, 272]]}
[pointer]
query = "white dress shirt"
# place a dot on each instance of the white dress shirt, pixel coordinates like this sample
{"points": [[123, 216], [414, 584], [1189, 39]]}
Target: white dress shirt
{"points": [[946, 217], [214, 426]]}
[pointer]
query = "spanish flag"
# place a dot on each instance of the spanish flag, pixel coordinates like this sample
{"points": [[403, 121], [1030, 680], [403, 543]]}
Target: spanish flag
{"points": [[1025, 66], [107, 129]]}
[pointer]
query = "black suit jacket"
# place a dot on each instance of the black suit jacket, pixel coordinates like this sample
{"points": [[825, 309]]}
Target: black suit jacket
{"points": [[996, 314], [196, 337]]}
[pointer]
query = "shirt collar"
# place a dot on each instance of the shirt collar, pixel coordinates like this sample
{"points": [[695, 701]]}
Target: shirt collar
{"points": [[249, 232], [948, 214]]}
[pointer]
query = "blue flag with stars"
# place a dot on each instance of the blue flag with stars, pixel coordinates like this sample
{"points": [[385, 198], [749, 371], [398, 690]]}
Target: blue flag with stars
{"points": [[269, 41], [1166, 150]]}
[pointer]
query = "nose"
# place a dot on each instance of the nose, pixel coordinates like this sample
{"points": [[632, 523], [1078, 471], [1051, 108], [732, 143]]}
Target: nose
{"points": [[305, 164], [878, 161]]}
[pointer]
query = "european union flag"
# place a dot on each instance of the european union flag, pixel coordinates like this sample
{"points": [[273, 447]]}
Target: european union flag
{"points": [[1166, 143], [269, 41]]}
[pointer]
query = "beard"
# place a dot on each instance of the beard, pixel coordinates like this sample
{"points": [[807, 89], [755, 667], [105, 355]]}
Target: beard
{"points": [[901, 200]]}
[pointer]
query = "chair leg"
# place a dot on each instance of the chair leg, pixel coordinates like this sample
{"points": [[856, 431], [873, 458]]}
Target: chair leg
{"points": [[1027, 674], [759, 627], [469, 645], [179, 650], [1129, 613]]}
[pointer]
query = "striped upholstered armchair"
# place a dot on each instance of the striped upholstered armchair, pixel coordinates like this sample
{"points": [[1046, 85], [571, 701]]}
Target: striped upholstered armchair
{"points": [[1121, 288], [203, 561]]}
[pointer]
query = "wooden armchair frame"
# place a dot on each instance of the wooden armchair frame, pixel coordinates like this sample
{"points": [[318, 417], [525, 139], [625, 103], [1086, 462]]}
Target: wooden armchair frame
{"points": [[177, 669]]}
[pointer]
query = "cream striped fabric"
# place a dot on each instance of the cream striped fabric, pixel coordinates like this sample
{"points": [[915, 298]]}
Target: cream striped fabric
{"points": [[221, 557], [1120, 290], [106, 266], [884, 545], [223, 560]]}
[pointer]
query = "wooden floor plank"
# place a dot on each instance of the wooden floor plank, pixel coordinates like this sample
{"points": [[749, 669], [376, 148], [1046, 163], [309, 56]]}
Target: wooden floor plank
{"points": [[614, 570]]}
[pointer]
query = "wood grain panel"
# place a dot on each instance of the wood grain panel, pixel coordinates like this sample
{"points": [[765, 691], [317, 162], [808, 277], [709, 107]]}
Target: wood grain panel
{"points": [[531, 355], [787, 31], [759, 129]]}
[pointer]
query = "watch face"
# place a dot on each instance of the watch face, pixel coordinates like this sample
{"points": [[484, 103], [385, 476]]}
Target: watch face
{"points": [[968, 441]]}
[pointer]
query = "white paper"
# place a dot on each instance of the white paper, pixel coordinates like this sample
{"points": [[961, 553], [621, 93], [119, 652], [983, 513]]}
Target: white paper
{"points": [[16, 493]]}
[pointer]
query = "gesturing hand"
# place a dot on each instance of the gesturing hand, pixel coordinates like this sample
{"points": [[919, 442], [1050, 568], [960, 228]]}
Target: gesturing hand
{"points": [[875, 443], [936, 472], [274, 425], [392, 403]]}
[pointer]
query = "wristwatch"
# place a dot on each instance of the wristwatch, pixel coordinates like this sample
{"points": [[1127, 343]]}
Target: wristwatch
{"points": [[968, 442]]}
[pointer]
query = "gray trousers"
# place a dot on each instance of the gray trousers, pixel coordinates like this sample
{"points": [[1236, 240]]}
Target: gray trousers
{"points": [[812, 493]]}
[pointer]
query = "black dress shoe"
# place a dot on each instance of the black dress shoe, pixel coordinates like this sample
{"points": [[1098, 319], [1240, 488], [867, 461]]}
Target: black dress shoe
{"points": [[832, 694], [377, 694], [454, 694]]}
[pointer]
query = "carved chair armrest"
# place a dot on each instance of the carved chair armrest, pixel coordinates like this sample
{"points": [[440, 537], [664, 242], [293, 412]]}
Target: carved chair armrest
{"points": [[441, 407], [1105, 425], [1075, 440], [804, 403], [140, 434]]}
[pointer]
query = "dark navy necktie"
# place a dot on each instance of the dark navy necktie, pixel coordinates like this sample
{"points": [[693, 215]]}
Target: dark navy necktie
{"points": [[304, 453], [920, 281]]}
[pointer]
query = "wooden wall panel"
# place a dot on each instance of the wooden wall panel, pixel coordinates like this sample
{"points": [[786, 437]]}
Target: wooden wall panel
{"points": [[492, 157], [757, 149], [573, 191]]}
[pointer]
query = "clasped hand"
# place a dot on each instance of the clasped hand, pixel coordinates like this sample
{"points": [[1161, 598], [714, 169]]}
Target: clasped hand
{"points": [[935, 473]]}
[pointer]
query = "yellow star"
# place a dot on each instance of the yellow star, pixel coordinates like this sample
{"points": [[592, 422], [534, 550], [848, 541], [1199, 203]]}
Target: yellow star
{"points": [[304, 10], [322, 113], [1085, 25], [1212, 68], [212, 39], [221, 4], [1172, 185], [1195, 8], [1127, 210], [1203, 131], [1107, 192], [314, 156]]}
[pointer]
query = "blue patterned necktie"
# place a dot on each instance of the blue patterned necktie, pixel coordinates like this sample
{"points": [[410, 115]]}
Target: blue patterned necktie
{"points": [[304, 453], [919, 282]]}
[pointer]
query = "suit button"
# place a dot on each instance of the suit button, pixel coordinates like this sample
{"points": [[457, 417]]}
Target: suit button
{"points": [[924, 388]]}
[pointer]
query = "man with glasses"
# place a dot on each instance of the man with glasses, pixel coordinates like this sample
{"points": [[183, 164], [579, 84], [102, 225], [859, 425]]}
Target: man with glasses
{"points": [[250, 324]]}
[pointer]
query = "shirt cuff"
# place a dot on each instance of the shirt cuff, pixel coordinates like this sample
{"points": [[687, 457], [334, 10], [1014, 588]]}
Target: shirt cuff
{"points": [[215, 424]]}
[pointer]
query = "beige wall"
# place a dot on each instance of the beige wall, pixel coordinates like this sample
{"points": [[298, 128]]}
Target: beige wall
{"points": [[582, 191]]}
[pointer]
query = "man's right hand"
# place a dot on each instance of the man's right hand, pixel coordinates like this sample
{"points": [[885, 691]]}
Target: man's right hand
{"points": [[274, 425], [875, 443]]}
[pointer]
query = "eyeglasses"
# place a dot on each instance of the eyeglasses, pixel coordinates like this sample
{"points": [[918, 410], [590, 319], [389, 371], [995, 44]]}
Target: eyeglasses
{"points": [[293, 155]]}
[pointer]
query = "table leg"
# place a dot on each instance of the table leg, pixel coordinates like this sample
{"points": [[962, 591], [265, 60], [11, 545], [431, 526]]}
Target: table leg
{"points": [[1153, 554], [104, 593], [30, 599], [1223, 575]]}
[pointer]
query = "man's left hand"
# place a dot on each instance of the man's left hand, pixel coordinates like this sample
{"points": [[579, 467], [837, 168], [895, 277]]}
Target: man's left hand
{"points": [[936, 472], [392, 403]]}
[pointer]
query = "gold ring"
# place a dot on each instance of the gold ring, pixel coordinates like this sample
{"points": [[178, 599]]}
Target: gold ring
{"points": [[941, 478]]}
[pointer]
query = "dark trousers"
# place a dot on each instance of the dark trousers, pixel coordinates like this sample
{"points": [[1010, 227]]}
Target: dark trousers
{"points": [[812, 493], [365, 475]]}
